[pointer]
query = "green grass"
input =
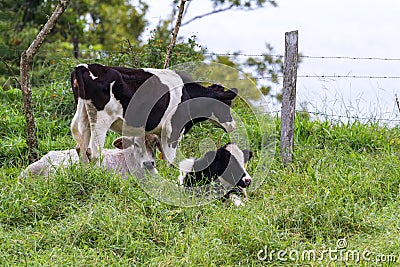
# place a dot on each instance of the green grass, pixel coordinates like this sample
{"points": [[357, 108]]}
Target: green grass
{"points": [[343, 183]]}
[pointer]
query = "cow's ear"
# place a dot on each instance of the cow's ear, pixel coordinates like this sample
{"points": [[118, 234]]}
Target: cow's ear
{"points": [[205, 161], [230, 94], [247, 154], [118, 143], [210, 156], [153, 142], [122, 142], [223, 155], [216, 87]]}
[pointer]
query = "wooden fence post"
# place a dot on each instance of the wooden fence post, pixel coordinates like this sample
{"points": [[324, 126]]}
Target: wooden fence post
{"points": [[289, 96]]}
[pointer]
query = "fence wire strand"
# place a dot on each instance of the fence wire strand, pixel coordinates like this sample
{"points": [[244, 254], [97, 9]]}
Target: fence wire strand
{"points": [[242, 54], [322, 114], [105, 52], [303, 56]]}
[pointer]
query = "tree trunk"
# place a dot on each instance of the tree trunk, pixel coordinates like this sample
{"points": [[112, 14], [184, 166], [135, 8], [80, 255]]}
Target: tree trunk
{"points": [[31, 139], [25, 65], [75, 42]]}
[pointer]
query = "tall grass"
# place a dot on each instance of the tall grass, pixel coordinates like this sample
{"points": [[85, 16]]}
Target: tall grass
{"points": [[343, 183]]}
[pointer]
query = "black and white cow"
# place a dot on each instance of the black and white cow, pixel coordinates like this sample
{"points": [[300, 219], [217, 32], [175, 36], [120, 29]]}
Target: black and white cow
{"points": [[165, 103], [227, 166]]}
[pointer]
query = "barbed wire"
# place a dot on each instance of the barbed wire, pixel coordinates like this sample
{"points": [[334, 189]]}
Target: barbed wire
{"points": [[242, 54], [69, 51], [220, 54], [50, 82], [371, 118], [348, 76], [302, 56], [311, 76], [341, 116], [322, 76], [271, 77], [351, 58]]}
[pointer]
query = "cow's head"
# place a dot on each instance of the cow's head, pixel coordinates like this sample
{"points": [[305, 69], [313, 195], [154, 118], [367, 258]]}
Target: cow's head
{"points": [[236, 160], [209, 103], [221, 113], [226, 165], [140, 152]]}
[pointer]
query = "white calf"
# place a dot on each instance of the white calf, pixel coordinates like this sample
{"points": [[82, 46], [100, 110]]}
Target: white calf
{"points": [[127, 155]]}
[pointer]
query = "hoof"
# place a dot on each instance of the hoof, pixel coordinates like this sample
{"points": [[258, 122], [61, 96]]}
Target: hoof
{"points": [[89, 153]]}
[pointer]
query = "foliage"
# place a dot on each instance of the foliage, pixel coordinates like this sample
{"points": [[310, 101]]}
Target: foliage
{"points": [[263, 70], [111, 22], [153, 53], [101, 22], [86, 25], [109, 32], [249, 4]]}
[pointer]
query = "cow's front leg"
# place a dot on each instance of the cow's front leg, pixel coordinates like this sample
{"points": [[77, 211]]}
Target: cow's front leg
{"points": [[169, 154], [169, 148]]}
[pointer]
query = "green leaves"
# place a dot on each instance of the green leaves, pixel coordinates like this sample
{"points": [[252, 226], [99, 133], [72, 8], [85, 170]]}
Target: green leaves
{"points": [[246, 4], [152, 54]]}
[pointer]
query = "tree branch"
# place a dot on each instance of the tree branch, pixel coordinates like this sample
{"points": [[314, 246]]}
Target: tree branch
{"points": [[14, 76], [175, 33], [208, 14], [37, 43], [186, 9]]}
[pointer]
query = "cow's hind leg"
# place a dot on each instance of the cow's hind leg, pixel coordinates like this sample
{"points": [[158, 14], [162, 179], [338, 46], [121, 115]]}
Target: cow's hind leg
{"points": [[100, 122], [80, 129]]}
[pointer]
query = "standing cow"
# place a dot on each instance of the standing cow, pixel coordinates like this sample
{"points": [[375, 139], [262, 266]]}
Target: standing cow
{"points": [[164, 102]]}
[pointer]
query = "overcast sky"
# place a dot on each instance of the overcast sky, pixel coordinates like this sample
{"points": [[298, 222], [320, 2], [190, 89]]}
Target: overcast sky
{"points": [[354, 28]]}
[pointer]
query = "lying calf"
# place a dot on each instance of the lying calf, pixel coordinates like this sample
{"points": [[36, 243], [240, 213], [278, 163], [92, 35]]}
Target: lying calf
{"points": [[127, 155], [226, 166]]}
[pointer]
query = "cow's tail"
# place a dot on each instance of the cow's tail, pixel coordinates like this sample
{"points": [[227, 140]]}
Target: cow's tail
{"points": [[77, 84]]}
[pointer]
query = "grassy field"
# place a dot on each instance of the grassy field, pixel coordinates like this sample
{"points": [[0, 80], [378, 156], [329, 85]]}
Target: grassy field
{"points": [[338, 199]]}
